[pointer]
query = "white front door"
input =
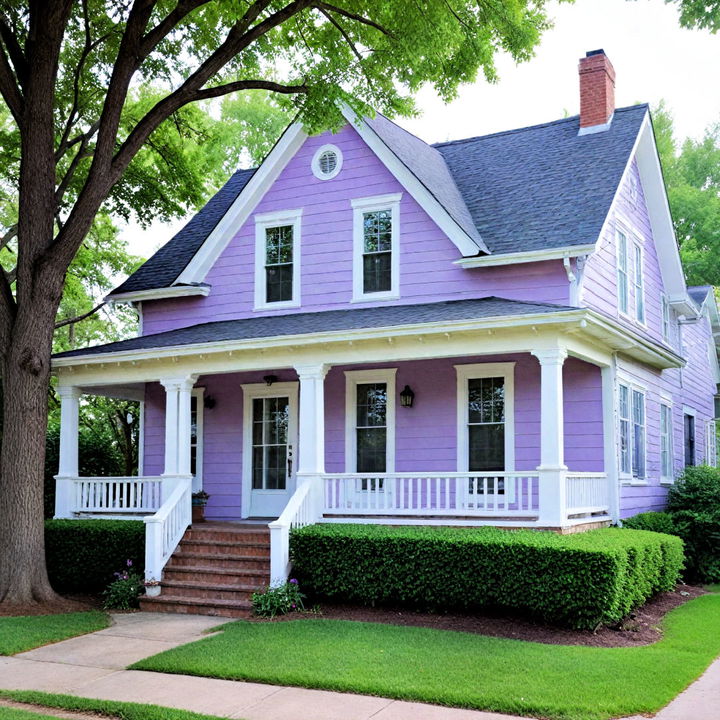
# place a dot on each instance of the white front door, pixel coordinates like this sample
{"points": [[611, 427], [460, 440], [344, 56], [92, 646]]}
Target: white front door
{"points": [[269, 450]]}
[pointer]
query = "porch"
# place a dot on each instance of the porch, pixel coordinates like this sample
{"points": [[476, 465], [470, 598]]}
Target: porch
{"points": [[512, 425]]}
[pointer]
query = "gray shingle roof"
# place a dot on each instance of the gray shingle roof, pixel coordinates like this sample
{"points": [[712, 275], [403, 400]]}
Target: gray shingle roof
{"points": [[534, 188], [699, 293], [170, 260], [326, 321], [542, 186]]}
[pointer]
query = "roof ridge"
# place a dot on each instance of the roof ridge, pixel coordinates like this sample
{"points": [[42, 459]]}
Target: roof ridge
{"points": [[538, 126]]}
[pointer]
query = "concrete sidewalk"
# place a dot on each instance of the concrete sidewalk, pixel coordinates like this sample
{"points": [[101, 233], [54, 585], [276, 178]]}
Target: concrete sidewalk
{"points": [[92, 666]]}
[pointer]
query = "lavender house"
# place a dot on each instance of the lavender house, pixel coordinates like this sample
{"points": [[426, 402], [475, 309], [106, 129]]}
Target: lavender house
{"points": [[367, 328]]}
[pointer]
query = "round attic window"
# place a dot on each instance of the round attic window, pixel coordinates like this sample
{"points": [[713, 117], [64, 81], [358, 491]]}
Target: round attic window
{"points": [[327, 162]]}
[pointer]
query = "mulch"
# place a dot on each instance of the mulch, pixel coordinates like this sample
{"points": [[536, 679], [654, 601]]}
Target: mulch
{"points": [[54, 712], [642, 627], [64, 604]]}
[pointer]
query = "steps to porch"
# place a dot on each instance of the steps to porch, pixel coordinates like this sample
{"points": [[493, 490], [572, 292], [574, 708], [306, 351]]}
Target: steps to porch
{"points": [[214, 571]]}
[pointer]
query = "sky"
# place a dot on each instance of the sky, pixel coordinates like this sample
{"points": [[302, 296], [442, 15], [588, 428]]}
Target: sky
{"points": [[654, 60]]}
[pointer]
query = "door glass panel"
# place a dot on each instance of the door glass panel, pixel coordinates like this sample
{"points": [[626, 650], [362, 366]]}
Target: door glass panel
{"points": [[270, 443]]}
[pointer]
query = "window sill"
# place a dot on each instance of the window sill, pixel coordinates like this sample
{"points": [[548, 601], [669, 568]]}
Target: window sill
{"points": [[277, 306], [666, 482], [633, 482], [374, 298]]}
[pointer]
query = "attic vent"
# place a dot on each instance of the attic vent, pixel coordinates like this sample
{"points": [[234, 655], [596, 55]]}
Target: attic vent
{"points": [[327, 162]]}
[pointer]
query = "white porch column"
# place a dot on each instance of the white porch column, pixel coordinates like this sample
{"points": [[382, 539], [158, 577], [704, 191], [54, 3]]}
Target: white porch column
{"points": [[311, 420], [177, 425], [68, 461], [610, 464], [552, 469]]}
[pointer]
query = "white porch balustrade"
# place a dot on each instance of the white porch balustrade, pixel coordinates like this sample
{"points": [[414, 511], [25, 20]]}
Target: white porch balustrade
{"points": [[116, 495]]}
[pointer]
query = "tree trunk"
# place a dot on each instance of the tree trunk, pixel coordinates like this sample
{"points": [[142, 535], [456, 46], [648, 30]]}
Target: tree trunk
{"points": [[26, 371]]}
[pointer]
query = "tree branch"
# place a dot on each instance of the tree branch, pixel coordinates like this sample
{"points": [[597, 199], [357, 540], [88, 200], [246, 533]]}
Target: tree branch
{"points": [[155, 36], [17, 56], [72, 321], [352, 16], [8, 236], [341, 30], [249, 85], [9, 88]]}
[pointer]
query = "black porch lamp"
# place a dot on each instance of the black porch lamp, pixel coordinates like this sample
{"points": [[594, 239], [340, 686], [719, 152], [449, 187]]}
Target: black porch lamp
{"points": [[406, 397]]}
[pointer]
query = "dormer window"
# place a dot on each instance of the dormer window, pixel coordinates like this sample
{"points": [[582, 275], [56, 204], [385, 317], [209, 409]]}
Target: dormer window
{"points": [[277, 259], [376, 262], [327, 162]]}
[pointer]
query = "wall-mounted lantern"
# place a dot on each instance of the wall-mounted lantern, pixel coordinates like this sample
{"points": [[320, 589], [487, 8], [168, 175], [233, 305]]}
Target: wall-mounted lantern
{"points": [[209, 402], [407, 396], [270, 379]]}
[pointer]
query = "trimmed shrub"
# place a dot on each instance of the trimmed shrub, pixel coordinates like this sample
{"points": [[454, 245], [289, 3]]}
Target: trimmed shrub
{"points": [[661, 522], [694, 503], [83, 555], [577, 580]]}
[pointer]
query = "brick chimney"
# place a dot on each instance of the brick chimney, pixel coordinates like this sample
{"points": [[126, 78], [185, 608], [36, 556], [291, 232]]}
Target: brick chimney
{"points": [[597, 92]]}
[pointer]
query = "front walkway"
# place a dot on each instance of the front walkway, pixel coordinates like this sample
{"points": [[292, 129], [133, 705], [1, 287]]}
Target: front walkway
{"points": [[92, 666]]}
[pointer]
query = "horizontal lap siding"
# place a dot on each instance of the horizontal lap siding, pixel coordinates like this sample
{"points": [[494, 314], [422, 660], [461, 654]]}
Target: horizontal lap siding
{"points": [[427, 272], [426, 434]]}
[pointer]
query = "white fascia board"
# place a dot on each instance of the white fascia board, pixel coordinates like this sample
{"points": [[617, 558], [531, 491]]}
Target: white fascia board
{"points": [[427, 201], [238, 213], [440, 327], [527, 256], [175, 291]]}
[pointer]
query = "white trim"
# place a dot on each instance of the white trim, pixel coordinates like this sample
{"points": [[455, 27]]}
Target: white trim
{"points": [[667, 404], [610, 448], [687, 410], [315, 163], [619, 230], [141, 438], [527, 256], [175, 291], [262, 179], [361, 206], [263, 223], [639, 295], [665, 327], [199, 395], [353, 378], [475, 371], [592, 129], [251, 391], [440, 216]]}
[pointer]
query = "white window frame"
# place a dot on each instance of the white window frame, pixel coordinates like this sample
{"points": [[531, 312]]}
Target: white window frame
{"points": [[667, 474], [315, 164], [665, 317], [639, 283], [263, 222], [199, 395], [353, 378], [710, 443], [628, 478], [687, 410], [477, 371], [361, 206], [624, 270]]}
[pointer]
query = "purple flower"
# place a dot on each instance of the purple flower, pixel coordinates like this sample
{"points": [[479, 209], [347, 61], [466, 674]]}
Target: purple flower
{"points": [[293, 581], [293, 606], [129, 563]]}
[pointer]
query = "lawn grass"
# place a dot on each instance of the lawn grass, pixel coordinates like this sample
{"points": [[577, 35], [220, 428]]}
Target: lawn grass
{"points": [[461, 669], [715, 588], [18, 634], [110, 708]]}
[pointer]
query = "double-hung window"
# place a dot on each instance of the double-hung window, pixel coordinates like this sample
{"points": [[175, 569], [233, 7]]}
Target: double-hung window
{"points": [[666, 443], [277, 260], [711, 444], [631, 411], [639, 286], [370, 422], [689, 435], [665, 319], [622, 271], [196, 438], [376, 259]]}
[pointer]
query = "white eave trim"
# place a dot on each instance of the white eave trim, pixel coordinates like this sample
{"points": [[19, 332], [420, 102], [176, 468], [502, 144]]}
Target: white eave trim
{"points": [[429, 203], [175, 291], [244, 204], [617, 338], [527, 256]]}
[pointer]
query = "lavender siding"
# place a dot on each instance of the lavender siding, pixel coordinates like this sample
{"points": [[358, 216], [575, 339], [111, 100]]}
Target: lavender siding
{"points": [[427, 271], [426, 435]]}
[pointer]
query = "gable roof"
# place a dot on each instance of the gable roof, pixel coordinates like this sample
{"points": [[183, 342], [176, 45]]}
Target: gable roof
{"points": [[699, 293], [543, 186], [532, 189]]}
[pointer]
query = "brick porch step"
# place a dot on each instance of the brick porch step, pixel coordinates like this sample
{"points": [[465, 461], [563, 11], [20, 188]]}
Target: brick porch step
{"points": [[214, 571]]}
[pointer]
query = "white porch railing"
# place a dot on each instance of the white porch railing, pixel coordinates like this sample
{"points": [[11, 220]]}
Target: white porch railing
{"points": [[164, 529], [116, 494], [301, 510], [587, 493], [453, 494]]}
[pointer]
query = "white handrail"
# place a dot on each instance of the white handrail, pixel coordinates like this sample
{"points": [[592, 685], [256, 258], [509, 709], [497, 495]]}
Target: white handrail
{"points": [[588, 493], [301, 510], [117, 495], [164, 530]]}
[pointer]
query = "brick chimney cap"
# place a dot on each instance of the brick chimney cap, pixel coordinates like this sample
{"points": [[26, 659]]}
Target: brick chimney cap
{"points": [[590, 53]]}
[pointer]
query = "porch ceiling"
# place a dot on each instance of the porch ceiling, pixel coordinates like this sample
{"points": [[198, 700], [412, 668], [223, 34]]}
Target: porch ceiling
{"points": [[391, 333]]}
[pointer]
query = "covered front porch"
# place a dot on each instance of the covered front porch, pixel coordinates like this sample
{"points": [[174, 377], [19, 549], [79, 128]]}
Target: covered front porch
{"points": [[509, 426]]}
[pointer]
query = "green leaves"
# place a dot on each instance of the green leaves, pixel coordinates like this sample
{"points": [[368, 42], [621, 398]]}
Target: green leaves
{"points": [[576, 580]]}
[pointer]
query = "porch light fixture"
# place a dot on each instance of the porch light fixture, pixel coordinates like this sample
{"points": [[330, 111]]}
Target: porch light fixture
{"points": [[270, 379], [209, 402], [406, 397]]}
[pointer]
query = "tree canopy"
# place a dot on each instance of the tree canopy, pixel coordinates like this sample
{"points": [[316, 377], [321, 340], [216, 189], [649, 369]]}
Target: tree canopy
{"points": [[703, 14]]}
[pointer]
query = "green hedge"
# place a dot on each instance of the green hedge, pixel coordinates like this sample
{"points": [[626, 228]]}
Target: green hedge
{"points": [[654, 521], [575, 580], [82, 555]]}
